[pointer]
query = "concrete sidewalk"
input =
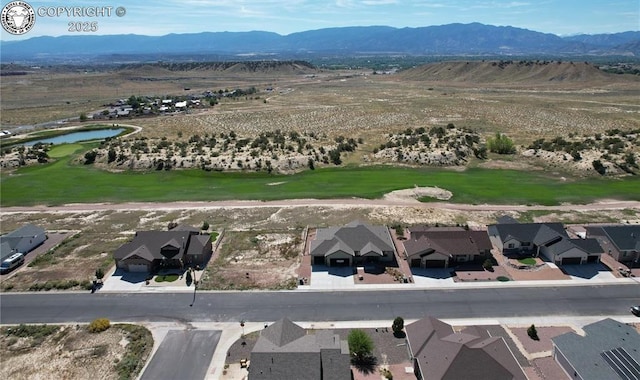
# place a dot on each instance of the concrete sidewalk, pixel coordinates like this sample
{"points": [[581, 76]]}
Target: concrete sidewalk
{"points": [[345, 285]]}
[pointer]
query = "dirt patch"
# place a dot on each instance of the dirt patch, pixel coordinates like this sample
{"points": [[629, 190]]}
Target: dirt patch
{"points": [[543, 346], [254, 259], [68, 352], [418, 192]]}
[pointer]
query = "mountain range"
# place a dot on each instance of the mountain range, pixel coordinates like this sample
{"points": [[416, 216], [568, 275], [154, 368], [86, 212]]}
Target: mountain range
{"points": [[473, 39]]}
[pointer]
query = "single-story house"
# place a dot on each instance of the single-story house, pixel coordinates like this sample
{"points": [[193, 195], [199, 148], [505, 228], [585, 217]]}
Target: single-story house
{"points": [[438, 352], [442, 247], [547, 239], [354, 244], [284, 350], [23, 240], [607, 350], [622, 242], [153, 250]]}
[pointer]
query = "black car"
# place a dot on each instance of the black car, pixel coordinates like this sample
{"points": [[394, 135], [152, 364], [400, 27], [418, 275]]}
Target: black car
{"points": [[635, 310]]}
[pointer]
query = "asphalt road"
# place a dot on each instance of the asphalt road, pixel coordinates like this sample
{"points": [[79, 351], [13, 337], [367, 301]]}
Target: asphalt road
{"points": [[601, 300], [183, 354]]}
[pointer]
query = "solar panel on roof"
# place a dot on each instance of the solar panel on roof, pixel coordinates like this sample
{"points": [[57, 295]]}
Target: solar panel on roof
{"points": [[622, 363]]}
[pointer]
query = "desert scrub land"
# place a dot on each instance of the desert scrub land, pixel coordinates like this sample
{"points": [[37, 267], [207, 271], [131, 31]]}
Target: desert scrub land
{"points": [[269, 151], [73, 352], [255, 260], [613, 153]]}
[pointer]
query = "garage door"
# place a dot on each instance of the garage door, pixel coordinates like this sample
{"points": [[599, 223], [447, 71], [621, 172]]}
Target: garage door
{"points": [[571, 261], [435, 263], [318, 260], [138, 268], [339, 262]]}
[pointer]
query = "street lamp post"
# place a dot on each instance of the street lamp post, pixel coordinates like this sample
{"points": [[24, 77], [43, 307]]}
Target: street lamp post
{"points": [[195, 287]]}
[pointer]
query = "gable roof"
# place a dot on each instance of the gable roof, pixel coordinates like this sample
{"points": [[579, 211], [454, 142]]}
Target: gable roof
{"points": [[585, 353], [284, 350], [152, 245], [443, 354], [550, 235], [448, 242], [11, 240], [354, 237], [625, 238], [538, 233]]}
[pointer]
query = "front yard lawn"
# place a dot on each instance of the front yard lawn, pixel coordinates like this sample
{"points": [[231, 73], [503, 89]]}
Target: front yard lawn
{"points": [[527, 261], [166, 278]]}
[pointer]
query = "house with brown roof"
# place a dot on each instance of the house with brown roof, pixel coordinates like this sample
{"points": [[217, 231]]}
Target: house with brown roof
{"points": [[440, 353], [153, 250], [356, 243], [547, 239], [284, 350], [443, 247]]}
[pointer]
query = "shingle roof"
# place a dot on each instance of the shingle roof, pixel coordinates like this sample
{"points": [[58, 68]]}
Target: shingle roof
{"points": [[625, 238], [584, 352], [531, 232], [11, 240], [355, 236], [284, 350], [448, 242], [149, 245], [443, 354]]}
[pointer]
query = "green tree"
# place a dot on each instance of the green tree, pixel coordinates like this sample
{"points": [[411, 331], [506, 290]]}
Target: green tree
{"points": [[83, 117], [205, 226], [111, 156], [99, 273], [501, 144], [90, 157], [599, 167], [398, 325], [360, 344]]}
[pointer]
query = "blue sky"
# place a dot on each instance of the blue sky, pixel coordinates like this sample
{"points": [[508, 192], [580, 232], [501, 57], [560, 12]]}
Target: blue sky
{"points": [[561, 17]]}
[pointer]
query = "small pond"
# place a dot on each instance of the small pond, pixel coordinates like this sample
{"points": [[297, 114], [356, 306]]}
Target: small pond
{"points": [[73, 137]]}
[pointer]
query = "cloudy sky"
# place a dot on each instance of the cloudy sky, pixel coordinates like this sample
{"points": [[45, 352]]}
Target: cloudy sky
{"points": [[561, 17]]}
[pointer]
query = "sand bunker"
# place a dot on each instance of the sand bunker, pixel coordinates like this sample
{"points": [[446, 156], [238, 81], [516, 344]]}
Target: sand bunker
{"points": [[418, 192]]}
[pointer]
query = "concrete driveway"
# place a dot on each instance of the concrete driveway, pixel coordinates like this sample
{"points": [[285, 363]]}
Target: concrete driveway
{"points": [[183, 354], [331, 278], [122, 281]]}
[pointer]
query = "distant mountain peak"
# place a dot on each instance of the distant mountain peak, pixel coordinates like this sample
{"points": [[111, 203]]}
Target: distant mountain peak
{"points": [[451, 39]]}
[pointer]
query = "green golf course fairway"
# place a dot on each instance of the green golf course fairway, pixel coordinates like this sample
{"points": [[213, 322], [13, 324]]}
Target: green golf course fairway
{"points": [[60, 183]]}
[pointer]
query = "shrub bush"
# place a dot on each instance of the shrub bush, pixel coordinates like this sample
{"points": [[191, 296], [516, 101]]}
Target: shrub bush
{"points": [[532, 332], [99, 325]]}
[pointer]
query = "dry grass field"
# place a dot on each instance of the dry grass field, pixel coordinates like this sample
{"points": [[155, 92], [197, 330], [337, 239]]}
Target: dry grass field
{"points": [[72, 352], [523, 101]]}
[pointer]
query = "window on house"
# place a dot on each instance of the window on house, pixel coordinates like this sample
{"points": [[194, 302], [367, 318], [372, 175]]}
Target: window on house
{"points": [[510, 245]]}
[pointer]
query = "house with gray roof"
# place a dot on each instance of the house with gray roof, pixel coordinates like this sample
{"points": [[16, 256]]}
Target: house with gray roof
{"points": [[547, 239], [440, 353], [356, 243], [23, 240], [608, 350], [153, 250], [443, 247], [285, 350], [622, 242]]}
